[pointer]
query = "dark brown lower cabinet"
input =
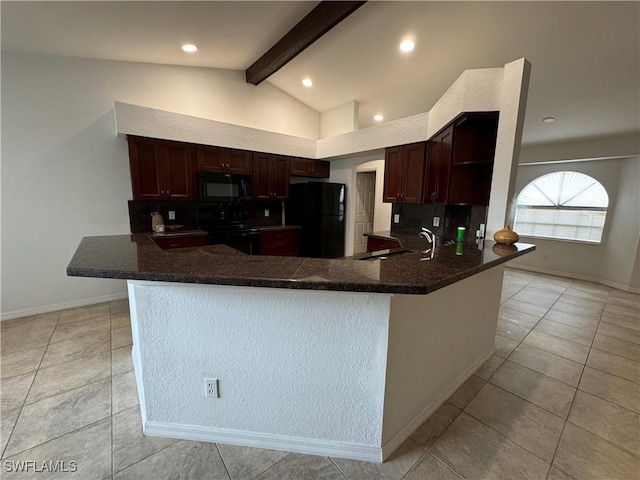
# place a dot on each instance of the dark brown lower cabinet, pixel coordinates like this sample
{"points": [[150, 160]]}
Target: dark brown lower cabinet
{"points": [[374, 244], [284, 243], [167, 243]]}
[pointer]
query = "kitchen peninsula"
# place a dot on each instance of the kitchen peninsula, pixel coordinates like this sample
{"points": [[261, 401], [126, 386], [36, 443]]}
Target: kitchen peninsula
{"points": [[341, 357]]}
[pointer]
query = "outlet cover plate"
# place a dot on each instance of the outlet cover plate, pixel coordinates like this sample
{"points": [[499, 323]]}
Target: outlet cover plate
{"points": [[211, 388], [436, 221]]}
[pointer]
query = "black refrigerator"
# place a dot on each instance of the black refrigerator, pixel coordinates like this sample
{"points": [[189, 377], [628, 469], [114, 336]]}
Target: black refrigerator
{"points": [[319, 208]]}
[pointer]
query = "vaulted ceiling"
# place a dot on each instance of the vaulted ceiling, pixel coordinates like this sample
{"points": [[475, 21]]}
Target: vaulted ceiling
{"points": [[585, 55]]}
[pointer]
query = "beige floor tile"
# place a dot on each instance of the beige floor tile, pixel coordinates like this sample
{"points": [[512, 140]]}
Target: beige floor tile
{"points": [[31, 322], [297, 466], [14, 391], [587, 286], [612, 422], [120, 306], [66, 331], [511, 330], [543, 391], [615, 365], [585, 312], [489, 367], [393, 468], [621, 320], [631, 311], [430, 468], [548, 364], [558, 346], [575, 320], [574, 334], [22, 361], [597, 295], [543, 300], [120, 320], [583, 301], [89, 448], [617, 347], [522, 422], [504, 346], [551, 284], [630, 305], [463, 395], [54, 416], [623, 333], [130, 445], [6, 426], [69, 376], [84, 313], [182, 460], [517, 317], [121, 360], [477, 452], [76, 348], [125, 393], [584, 455], [121, 337], [524, 307], [432, 428], [555, 474], [28, 335], [615, 389], [245, 462]]}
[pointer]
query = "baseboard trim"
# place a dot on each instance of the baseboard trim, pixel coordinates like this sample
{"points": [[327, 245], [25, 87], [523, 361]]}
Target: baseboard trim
{"points": [[405, 432], [285, 443], [575, 276], [27, 312]]}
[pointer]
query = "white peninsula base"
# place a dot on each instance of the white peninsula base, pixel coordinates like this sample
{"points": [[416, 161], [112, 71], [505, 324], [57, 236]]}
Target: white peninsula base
{"points": [[341, 374]]}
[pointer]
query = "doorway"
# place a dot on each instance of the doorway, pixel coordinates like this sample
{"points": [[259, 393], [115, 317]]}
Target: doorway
{"points": [[365, 206]]}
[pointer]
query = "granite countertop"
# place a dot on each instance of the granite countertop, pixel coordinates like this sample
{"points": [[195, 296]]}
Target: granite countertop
{"points": [[137, 257], [269, 228]]}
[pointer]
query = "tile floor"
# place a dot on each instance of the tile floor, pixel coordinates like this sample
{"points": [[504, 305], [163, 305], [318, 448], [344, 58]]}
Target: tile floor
{"points": [[559, 400]]}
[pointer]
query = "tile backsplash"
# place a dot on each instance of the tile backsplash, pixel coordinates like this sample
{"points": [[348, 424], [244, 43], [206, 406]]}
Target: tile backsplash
{"points": [[414, 216]]}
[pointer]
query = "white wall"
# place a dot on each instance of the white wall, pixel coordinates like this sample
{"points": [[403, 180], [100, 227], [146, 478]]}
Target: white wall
{"points": [[339, 120], [612, 262], [65, 174]]}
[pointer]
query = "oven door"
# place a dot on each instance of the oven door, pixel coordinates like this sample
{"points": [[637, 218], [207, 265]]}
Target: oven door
{"points": [[247, 242]]}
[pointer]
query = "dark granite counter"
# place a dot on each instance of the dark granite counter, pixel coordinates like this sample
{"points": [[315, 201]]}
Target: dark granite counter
{"points": [[179, 233], [271, 228], [137, 257]]}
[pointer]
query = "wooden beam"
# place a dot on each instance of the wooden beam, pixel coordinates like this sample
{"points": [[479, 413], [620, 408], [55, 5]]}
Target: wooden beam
{"points": [[319, 21]]}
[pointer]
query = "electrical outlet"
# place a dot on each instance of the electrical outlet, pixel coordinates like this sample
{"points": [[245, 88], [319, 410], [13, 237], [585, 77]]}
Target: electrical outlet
{"points": [[266, 212], [396, 218], [172, 215], [436, 221], [211, 388]]}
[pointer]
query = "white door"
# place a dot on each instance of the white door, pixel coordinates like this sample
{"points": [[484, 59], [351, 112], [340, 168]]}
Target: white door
{"points": [[365, 204]]}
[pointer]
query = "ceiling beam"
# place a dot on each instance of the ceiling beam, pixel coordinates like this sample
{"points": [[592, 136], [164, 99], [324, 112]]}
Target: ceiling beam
{"points": [[318, 21]]}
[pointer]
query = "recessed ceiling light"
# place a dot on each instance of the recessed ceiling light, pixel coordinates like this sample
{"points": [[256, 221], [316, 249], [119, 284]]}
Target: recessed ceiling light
{"points": [[307, 82], [378, 117], [548, 119], [407, 45], [189, 48]]}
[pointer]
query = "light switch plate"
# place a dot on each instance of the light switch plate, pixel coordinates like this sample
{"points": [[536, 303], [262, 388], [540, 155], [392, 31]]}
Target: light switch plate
{"points": [[436, 221], [172, 215], [396, 218]]}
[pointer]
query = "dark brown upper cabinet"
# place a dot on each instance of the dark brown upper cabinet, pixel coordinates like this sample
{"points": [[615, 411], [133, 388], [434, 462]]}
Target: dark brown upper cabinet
{"points": [[460, 161], [403, 173], [161, 169], [270, 176], [302, 167], [225, 160]]}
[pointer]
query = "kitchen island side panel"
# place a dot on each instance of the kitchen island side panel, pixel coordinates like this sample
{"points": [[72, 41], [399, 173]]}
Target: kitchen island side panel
{"points": [[436, 342], [298, 364]]}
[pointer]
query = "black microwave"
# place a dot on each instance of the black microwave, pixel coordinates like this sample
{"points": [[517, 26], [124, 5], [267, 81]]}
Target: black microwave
{"points": [[224, 187]]}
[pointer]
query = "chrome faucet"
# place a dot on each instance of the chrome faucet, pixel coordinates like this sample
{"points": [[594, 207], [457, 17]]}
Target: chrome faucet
{"points": [[430, 237]]}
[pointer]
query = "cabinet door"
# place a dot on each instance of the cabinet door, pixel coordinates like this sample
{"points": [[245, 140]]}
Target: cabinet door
{"points": [[320, 169], [412, 173], [300, 167], [444, 166], [209, 158], [145, 167], [239, 161], [179, 176], [279, 177], [261, 176], [392, 174]]}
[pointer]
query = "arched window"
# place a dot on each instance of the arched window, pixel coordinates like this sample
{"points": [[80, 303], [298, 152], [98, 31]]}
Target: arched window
{"points": [[562, 205]]}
